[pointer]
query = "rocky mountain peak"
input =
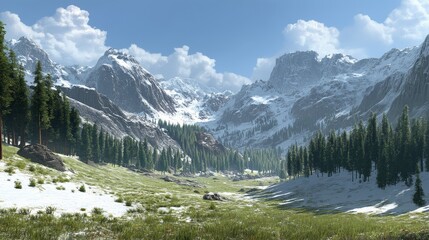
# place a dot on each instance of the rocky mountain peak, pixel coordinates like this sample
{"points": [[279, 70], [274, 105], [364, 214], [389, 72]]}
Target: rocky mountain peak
{"points": [[295, 70], [424, 48], [122, 79]]}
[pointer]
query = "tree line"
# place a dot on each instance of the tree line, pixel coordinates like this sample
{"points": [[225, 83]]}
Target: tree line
{"points": [[391, 154]]}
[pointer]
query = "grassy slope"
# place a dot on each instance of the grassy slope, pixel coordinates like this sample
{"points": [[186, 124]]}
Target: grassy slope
{"points": [[233, 219]]}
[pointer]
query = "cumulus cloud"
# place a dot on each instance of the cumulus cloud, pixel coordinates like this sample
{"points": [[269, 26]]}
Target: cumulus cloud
{"points": [[405, 26], [181, 63], [263, 68], [311, 35], [66, 36]]}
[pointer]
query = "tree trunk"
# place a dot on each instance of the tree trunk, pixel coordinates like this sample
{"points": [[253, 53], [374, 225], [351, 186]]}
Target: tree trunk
{"points": [[1, 131], [22, 139], [40, 132]]}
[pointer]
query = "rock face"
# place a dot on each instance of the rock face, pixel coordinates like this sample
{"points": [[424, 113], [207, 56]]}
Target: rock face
{"points": [[121, 78], [208, 142], [305, 94], [42, 155], [97, 108]]}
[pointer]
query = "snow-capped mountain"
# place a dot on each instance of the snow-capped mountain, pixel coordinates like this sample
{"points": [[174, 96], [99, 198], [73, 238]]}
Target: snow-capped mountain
{"points": [[28, 53], [194, 101], [93, 106], [305, 94], [121, 78]]}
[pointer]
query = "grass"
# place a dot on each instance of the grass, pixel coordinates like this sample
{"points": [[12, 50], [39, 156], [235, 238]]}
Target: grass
{"points": [[187, 216]]}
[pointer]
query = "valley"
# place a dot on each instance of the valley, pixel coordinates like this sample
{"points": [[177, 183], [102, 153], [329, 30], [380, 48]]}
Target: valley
{"points": [[165, 210]]}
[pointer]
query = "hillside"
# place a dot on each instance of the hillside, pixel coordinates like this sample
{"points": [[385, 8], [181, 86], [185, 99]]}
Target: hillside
{"points": [[339, 193], [166, 210]]}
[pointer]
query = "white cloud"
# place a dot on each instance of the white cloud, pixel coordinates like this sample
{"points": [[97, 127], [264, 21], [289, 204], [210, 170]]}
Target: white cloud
{"points": [[311, 35], [181, 63], [66, 36], [405, 26], [263, 68]]}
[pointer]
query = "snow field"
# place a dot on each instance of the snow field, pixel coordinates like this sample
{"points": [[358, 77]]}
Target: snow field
{"points": [[340, 193]]}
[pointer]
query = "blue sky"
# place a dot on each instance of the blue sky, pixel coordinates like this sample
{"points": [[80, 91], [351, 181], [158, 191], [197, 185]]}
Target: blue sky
{"points": [[221, 41]]}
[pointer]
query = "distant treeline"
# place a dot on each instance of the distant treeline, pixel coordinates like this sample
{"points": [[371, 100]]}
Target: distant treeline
{"points": [[393, 154]]}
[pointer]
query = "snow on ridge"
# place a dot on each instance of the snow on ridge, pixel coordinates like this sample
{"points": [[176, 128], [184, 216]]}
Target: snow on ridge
{"points": [[340, 193]]}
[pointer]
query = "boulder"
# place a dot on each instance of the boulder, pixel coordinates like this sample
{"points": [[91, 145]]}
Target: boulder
{"points": [[213, 196], [42, 155]]}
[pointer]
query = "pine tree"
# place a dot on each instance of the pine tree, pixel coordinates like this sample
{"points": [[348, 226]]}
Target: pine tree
{"points": [[418, 194], [371, 146], [405, 161], [39, 104], [19, 115], [75, 130], [5, 96]]}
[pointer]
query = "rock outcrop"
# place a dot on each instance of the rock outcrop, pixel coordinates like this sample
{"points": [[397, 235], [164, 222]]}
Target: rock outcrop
{"points": [[42, 155]]}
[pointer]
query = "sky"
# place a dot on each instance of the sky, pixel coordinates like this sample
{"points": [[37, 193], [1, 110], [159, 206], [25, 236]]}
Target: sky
{"points": [[221, 43]]}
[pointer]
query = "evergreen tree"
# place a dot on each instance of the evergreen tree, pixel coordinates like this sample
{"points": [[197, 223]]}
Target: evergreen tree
{"points": [[371, 146], [418, 194], [5, 96], [39, 105], [75, 129], [19, 116], [95, 144]]}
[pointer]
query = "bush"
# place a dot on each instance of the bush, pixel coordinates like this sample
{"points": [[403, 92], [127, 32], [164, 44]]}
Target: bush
{"points": [[40, 181], [31, 168], [24, 211], [119, 200], [82, 188], [60, 179], [97, 211], [128, 203], [50, 210], [32, 182], [60, 188], [18, 185], [10, 170]]}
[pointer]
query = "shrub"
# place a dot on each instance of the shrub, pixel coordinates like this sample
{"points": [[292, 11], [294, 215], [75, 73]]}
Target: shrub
{"points": [[119, 200], [60, 188], [40, 181], [32, 182], [128, 203], [82, 188], [97, 211], [24, 211], [50, 210], [10, 170], [18, 185], [31, 168]]}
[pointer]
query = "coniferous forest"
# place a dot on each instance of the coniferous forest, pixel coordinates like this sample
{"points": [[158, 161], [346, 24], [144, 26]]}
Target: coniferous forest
{"points": [[371, 151]]}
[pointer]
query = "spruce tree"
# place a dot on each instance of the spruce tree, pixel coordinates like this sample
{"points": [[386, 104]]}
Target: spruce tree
{"points": [[5, 96], [19, 115], [39, 104], [419, 193]]}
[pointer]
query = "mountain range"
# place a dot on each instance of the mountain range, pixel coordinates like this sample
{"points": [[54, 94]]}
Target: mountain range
{"points": [[305, 93]]}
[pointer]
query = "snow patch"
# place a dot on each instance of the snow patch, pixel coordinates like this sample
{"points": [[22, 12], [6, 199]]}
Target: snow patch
{"points": [[70, 200], [340, 193]]}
